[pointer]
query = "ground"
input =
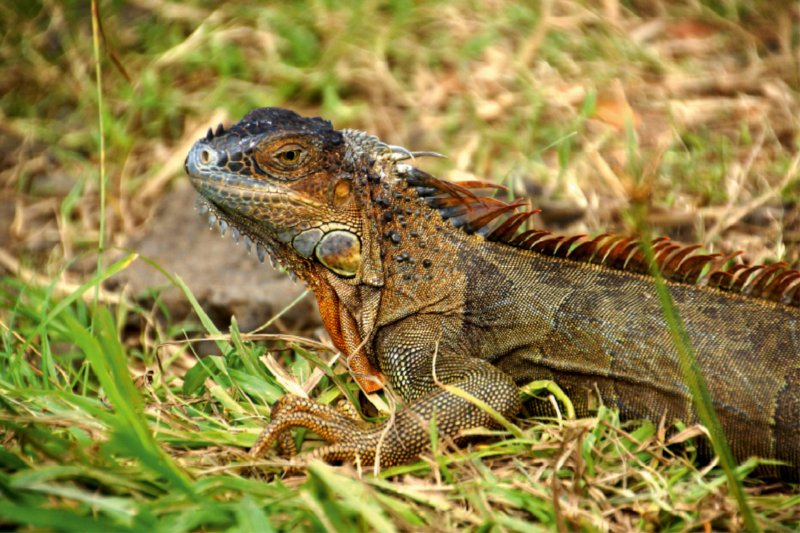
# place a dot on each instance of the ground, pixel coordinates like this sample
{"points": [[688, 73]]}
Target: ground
{"points": [[689, 111]]}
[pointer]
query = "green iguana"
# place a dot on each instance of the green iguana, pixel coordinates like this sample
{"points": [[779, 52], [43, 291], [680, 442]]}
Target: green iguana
{"points": [[421, 282]]}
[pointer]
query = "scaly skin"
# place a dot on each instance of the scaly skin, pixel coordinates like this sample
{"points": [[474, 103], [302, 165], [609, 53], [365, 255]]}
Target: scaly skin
{"points": [[413, 298]]}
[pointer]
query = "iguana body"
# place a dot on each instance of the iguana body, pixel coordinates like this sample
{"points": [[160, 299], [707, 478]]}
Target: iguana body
{"points": [[420, 284]]}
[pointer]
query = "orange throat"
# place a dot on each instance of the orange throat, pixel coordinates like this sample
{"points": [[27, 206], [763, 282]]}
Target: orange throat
{"points": [[344, 332]]}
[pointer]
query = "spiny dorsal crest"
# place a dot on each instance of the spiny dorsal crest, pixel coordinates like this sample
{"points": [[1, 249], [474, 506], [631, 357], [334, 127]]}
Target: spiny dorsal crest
{"points": [[482, 215]]}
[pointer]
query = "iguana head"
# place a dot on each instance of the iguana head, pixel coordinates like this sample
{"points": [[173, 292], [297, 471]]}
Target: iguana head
{"points": [[287, 184]]}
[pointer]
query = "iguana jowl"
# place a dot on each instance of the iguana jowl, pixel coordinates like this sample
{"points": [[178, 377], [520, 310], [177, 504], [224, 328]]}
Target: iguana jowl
{"points": [[420, 280]]}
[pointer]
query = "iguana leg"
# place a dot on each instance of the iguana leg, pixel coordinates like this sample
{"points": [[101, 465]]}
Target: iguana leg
{"points": [[408, 433]]}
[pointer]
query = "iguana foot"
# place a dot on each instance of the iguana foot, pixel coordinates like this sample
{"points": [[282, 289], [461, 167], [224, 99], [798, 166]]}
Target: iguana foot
{"points": [[289, 403], [340, 426]]}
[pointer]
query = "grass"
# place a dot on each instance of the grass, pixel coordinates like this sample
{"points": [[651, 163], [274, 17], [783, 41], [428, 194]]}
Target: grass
{"points": [[83, 459], [109, 423]]}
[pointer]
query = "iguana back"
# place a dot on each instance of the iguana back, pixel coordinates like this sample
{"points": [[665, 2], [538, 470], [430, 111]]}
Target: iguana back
{"points": [[602, 336]]}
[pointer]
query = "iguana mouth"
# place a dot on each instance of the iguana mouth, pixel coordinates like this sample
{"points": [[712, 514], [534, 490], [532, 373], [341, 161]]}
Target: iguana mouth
{"points": [[242, 228]]}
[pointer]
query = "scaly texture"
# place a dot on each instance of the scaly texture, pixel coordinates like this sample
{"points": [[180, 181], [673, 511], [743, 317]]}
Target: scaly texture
{"points": [[421, 280]]}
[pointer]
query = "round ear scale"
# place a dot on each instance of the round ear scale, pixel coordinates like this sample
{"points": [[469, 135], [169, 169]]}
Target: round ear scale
{"points": [[340, 251]]}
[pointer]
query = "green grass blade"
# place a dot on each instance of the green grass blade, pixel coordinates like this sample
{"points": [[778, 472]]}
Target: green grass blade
{"points": [[99, 85], [204, 318], [56, 519], [251, 517], [95, 281], [354, 497], [107, 357]]}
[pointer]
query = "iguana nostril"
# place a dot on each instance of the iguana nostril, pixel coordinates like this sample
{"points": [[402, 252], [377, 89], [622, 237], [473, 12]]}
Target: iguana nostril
{"points": [[205, 157]]}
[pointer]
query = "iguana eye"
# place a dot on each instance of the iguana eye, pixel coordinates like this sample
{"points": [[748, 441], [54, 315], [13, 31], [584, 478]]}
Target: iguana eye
{"points": [[290, 155]]}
